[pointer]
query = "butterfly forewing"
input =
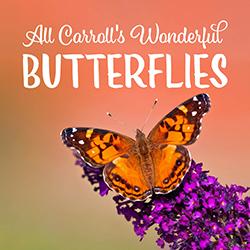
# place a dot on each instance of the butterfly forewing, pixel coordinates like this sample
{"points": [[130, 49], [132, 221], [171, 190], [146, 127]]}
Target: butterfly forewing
{"points": [[182, 125], [97, 147]]}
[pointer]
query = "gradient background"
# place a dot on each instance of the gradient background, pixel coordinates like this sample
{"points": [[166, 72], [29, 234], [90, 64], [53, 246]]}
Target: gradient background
{"points": [[44, 202]]}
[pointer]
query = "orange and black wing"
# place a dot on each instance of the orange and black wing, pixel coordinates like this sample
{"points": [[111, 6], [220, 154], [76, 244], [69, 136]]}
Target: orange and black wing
{"points": [[124, 175], [96, 146], [171, 163], [182, 125]]}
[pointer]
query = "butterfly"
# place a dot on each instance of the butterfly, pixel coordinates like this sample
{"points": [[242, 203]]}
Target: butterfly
{"points": [[156, 163]]}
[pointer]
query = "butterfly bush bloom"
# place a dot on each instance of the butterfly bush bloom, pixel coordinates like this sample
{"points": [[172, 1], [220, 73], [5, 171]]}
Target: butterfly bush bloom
{"points": [[200, 214]]}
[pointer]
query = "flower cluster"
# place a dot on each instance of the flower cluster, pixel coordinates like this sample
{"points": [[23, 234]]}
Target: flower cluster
{"points": [[200, 214]]}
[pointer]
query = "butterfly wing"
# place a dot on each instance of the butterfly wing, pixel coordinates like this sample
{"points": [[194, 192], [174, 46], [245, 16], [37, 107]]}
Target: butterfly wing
{"points": [[182, 125], [124, 175], [171, 163], [96, 146]]}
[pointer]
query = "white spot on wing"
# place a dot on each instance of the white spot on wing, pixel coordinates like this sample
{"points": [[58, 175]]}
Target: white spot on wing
{"points": [[195, 99], [194, 113], [71, 135], [74, 130], [81, 142]]}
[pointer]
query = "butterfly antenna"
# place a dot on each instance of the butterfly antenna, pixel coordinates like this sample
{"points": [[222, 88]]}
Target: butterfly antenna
{"points": [[149, 113], [117, 121]]}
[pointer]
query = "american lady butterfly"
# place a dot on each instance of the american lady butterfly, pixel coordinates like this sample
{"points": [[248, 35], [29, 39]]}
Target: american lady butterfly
{"points": [[154, 164]]}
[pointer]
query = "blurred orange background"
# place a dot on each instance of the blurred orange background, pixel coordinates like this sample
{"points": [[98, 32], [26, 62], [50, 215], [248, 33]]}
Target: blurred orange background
{"points": [[45, 203]]}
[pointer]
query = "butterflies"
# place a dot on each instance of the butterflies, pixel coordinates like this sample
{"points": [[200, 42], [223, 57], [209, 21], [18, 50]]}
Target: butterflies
{"points": [[154, 164]]}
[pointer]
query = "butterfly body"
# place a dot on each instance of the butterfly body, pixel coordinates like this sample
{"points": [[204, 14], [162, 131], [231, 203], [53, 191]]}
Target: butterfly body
{"points": [[156, 163], [143, 149]]}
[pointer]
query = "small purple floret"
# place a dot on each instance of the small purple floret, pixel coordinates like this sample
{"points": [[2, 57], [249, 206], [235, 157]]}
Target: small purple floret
{"points": [[200, 214]]}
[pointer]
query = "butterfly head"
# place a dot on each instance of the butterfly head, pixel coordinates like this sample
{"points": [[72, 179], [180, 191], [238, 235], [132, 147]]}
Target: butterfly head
{"points": [[139, 134]]}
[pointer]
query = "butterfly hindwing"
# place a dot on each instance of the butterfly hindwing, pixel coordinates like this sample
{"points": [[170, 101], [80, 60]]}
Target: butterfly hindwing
{"points": [[182, 125], [97, 147], [171, 163], [124, 175]]}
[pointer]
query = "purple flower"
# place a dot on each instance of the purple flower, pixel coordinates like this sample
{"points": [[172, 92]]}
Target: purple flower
{"points": [[214, 227], [140, 231], [240, 222], [189, 187], [236, 247], [160, 242], [184, 220], [200, 214], [192, 201], [210, 203], [94, 176], [204, 243], [223, 202], [197, 215], [158, 207], [229, 227], [210, 180], [220, 245]]}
